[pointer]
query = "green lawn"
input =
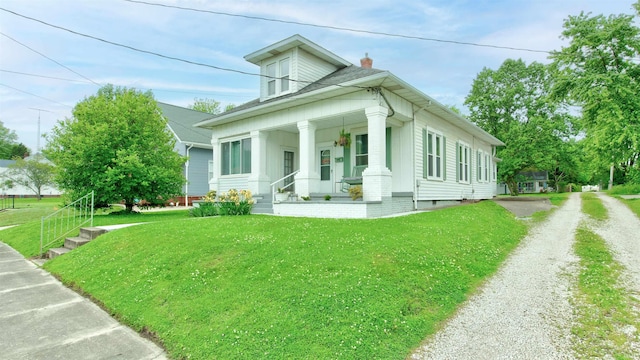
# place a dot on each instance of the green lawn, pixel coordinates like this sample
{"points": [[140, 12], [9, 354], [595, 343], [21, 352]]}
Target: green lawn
{"points": [[26, 237], [299, 288], [604, 307], [27, 209], [592, 206]]}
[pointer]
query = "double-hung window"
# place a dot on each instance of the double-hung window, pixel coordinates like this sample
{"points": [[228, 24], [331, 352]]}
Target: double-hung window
{"points": [[486, 167], [433, 155], [362, 149], [236, 157], [479, 164], [463, 160], [278, 76]]}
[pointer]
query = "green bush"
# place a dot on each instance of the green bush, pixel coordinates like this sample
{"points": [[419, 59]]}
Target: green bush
{"points": [[627, 189], [205, 209]]}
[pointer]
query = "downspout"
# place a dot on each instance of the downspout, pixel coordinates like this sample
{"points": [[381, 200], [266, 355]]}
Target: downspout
{"points": [[186, 173], [415, 175]]}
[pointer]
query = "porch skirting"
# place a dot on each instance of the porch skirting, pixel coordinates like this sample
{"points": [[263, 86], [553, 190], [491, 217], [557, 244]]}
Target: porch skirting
{"points": [[345, 209]]}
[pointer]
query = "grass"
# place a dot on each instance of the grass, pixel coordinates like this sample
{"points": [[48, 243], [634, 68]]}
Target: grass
{"points": [[592, 206], [27, 209], [628, 189], [25, 238], [604, 305], [277, 287]]}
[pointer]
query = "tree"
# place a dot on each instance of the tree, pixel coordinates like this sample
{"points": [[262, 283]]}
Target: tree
{"points": [[599, 71], [7, 141], [19, 150], [210, 106], [513, 104], [117, 144], [33, 173]]}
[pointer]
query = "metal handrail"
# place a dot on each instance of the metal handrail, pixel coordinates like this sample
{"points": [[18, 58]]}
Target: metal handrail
{"points": [[273, 184], [54, 227]]}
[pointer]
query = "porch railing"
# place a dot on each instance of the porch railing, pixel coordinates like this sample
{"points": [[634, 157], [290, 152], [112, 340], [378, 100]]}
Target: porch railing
{"points": [[55, 226], [273, 184]]}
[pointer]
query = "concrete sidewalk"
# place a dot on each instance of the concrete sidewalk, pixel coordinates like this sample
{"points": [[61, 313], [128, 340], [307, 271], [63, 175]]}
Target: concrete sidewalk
{"points": [[42, 319]]}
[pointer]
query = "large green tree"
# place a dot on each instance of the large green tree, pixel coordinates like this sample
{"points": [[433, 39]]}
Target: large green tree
{"points": [[7, 141], [513, 104], [33, 173], [210, 106], [118, 144], [600, 72]]}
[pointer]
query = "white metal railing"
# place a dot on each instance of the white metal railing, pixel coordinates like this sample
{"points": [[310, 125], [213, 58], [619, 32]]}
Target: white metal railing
{"points": [[273, 184], [55, 226]]}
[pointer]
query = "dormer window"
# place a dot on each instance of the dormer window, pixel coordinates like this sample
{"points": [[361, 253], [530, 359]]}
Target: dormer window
{"points": [[278, 77]]}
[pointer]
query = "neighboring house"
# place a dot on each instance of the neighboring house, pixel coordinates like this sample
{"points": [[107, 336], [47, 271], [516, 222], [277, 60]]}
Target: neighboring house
{"points": [[19, 190], [408, 151], [531, 182], [193, 142]]}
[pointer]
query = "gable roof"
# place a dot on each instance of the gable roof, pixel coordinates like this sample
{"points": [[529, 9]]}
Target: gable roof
{"points": [[292, 42], [181, 122]]}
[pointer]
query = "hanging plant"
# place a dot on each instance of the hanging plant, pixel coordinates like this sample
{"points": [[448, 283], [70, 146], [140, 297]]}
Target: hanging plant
{"points": [[344, 139]]}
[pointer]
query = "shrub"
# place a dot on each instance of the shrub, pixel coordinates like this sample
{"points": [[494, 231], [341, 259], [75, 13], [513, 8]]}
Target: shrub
{"points": [[355, 192], [327, 197], [205, 209], [627, 189], [235, 202]]}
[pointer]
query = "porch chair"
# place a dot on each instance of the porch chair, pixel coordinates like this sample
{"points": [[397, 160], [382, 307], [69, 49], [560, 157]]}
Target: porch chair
{"points": [[354, 179]]}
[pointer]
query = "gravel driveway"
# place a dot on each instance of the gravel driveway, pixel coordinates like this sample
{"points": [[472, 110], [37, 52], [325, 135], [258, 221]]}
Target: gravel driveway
{"points": [[524, 311]]}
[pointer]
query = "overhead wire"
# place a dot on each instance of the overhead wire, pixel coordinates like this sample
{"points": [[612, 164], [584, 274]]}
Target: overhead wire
{"points": [[45, 56], [168, 56], [38, 96], [371, 32]]}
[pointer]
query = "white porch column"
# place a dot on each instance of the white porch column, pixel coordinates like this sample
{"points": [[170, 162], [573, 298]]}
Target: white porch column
{"points": [[214, 183], [376, 178], [307, 180], [258, 180]]}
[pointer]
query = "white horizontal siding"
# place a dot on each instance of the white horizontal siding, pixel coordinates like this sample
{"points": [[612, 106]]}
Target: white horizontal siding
{"points": [[308, 68], [238, 182]]}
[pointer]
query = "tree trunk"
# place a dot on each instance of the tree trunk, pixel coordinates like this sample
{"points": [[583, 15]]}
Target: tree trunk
{"points": [[129, 206], [513, 186]]}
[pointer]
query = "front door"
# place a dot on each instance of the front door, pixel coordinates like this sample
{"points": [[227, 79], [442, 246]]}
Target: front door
{"points": [[288, 162], [326, 170]]}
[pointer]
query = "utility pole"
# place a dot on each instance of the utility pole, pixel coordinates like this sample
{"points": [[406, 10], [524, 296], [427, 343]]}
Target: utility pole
{"points": [[38, 143]]}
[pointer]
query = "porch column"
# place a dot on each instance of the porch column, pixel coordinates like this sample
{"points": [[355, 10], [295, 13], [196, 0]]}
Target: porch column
{"points": [[214, 183], [376, 178], [258, 181], [307, 180]]}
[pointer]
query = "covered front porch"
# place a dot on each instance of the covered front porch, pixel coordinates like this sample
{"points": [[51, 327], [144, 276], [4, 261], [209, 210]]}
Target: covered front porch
{"points": [[305, 159]]}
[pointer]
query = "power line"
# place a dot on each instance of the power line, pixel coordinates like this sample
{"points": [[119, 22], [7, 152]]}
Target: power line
{"points": [[45, 56], [38, 96], [43, 76], [167, 56], [340, 28]]}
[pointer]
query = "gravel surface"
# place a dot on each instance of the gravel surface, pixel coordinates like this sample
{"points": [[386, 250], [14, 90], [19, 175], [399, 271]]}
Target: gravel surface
{"points": [[622, 233], [523, 312]]}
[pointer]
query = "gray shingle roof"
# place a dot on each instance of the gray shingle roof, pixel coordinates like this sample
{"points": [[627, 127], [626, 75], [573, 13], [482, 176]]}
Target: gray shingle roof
{"points": [[338, 77], [181, 121]]}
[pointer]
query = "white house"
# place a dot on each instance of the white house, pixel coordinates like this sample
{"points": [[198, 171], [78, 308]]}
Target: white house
{"points": [[414, 152]]}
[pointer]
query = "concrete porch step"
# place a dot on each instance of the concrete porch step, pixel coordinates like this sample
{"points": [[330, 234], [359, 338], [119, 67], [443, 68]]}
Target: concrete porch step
{"points": [[57, 252], [74, 242], [91, 232]]}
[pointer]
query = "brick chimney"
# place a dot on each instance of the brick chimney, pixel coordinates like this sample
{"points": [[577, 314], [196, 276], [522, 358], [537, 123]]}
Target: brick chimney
{"points": [[366, 62]]}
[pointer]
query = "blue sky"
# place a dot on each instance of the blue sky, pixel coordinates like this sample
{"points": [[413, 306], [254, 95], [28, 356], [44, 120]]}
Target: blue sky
{"points": [[444, 71]]}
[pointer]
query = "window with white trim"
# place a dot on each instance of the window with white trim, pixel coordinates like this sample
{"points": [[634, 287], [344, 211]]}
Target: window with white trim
{"points": [[486, 167], [278, 77], [433, 155], [463, 162], [362, 149], [479, 164], [235, 157]]}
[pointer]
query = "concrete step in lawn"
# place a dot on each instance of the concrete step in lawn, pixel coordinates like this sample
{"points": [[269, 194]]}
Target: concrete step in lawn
{"points": [[86, 234]]}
